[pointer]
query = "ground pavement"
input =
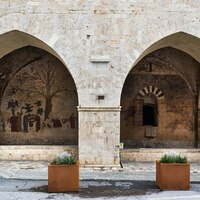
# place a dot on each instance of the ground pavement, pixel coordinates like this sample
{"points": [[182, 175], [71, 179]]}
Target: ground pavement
{"points": [[22, 180]]}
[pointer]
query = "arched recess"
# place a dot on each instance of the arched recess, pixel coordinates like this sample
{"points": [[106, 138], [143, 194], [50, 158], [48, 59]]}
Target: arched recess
{"points": [[16, 39], [188, 46], [183, 41], [38, 94]]}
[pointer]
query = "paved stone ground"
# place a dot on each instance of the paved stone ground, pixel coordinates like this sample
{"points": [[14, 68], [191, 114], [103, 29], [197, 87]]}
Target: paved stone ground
{"points": [[22, 180], [37, 170]]}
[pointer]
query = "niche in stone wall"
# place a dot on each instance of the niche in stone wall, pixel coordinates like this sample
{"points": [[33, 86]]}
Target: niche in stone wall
{"points": [[150, 113], [146, 114], [39, 105], [165, 75]]}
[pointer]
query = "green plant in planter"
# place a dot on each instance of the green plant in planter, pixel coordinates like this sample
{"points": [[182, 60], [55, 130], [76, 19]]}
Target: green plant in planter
{"points": [[64, 158], [63, 174], [173, 172], [173, 158]]}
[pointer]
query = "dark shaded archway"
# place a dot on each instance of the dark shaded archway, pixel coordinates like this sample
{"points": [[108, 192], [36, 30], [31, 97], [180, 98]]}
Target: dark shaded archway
{"points": [[166, 69]]}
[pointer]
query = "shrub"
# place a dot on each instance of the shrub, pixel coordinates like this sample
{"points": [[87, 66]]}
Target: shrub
{"points": [[64, 159], [173, 158]]}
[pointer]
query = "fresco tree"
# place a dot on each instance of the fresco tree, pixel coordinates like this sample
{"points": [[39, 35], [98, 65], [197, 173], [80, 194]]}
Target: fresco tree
{"points": [[45, 80]]}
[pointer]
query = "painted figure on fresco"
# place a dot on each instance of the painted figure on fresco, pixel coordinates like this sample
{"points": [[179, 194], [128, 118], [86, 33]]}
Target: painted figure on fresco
{"points": [[26, 118], [19, 121], [40, 111], [13, 122], [25, 122], [29, 120], [38, 123], [28, 108], [12, 105]]}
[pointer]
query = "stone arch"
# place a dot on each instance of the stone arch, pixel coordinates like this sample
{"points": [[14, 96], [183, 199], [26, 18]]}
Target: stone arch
{"points": [[15, 41], [187, 42], [150, 89], [183, 42]]}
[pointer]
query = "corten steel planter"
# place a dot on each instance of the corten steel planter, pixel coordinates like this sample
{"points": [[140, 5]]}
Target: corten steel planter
{"points": [[173, 176], [63, 178]]}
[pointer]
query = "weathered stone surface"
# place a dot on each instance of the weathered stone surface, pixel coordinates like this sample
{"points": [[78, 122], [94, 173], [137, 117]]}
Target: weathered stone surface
{"points": [[148, 155], [100, 131], [175, 126], [124, 30], [34, 152]]}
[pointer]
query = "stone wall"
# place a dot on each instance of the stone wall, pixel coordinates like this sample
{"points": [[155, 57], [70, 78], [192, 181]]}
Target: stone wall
{"points": [[100, 131], [99, 42], [175, 113]]}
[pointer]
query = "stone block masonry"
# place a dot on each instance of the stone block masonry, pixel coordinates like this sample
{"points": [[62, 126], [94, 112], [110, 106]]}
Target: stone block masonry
{"points": [[118, 34]]}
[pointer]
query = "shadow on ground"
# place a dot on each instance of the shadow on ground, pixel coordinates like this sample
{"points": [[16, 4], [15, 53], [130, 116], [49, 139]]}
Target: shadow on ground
{"points": [[94, 189]]}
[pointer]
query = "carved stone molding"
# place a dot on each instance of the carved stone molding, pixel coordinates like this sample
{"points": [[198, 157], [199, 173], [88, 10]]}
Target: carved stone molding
{"points": [[99, 109]]}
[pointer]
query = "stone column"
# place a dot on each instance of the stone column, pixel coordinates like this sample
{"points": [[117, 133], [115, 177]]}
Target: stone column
{"points": [[99, 136]]}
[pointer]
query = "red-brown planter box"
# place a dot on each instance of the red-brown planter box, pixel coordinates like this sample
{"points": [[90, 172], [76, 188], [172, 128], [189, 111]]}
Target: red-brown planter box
{"points": [[173, 176], [63, 178]]}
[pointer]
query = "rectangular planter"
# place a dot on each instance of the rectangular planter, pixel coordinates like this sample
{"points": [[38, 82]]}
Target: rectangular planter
{"points": [[63, 178], [173, 176]]}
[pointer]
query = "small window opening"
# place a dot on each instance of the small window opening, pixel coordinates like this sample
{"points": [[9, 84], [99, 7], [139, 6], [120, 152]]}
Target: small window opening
{"points": [[150, 111], [149, 117]]}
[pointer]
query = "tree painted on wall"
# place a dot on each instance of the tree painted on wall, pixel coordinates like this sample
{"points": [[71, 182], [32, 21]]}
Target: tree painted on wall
{"points": [[45, 80]]}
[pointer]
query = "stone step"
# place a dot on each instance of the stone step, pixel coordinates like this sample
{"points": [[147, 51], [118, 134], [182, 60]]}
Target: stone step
{"points": [[151, 154], [34, 152]]}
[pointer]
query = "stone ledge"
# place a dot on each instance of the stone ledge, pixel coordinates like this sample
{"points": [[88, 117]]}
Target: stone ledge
{"points": [[19, 147], [102, 167], [151, 155], [100, 59], [157, 150], [34, 152], [99, 109]]}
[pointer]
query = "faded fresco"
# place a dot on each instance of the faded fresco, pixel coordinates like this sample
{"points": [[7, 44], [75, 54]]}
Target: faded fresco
{"points": [[39, 105]]}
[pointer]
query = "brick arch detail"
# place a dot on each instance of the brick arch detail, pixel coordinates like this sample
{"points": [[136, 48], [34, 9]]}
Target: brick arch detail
{"points": [[150, 89]]}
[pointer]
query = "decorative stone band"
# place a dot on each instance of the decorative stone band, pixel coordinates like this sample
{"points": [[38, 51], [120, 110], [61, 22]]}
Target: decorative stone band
{"points": [[150, 89], [99, 109]]}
